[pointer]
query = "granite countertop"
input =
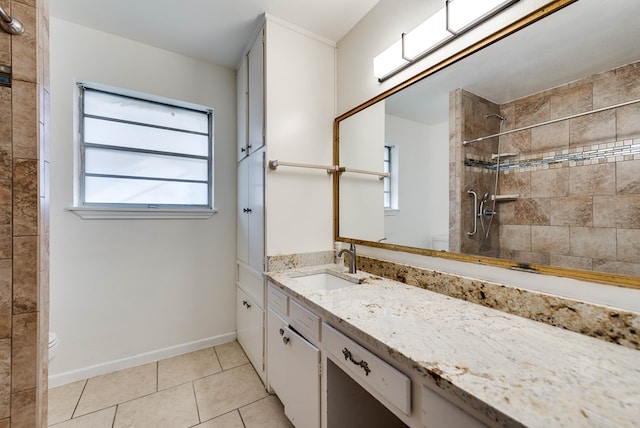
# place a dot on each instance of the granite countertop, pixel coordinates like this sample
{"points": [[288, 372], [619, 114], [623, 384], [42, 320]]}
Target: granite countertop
{"points": [[515, 371]]}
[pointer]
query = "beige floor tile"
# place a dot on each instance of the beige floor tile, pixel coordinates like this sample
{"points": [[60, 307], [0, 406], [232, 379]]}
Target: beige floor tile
{"points": [[114, 388], [186, 368], [63, 401], [171, 408], [231, 355], [101, 419], [265, 413], [222, 392], [229, 420]]}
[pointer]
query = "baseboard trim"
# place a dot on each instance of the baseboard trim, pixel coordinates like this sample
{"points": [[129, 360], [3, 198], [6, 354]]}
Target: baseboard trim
{"points": [[136, 360]]}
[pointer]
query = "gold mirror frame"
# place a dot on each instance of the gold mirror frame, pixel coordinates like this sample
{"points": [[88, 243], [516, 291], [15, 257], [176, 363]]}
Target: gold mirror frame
{"points": [[591, 276]]}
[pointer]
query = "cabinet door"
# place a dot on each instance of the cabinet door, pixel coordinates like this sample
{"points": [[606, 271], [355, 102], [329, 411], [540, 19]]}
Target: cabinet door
{"points": [[256, 94], [256, 211], [250, 329], [242, 227], [242, 94], [293, 372]]}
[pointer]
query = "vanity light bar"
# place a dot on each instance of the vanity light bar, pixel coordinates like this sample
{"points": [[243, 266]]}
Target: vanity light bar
{"points": [[457, 17]]}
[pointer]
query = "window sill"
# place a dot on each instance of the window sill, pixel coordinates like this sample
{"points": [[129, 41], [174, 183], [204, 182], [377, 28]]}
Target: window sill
{"points": [[391, 211], [98, 213]]}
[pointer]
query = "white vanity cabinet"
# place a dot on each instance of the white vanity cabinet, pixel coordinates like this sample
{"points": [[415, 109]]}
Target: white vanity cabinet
{"points": [[250, 331], [293, 372], [285, 99], [250, 99], [242, 108], [250, 259], [328, 378], [250, 210], [438, 412], [250, 250], [255, 73]]}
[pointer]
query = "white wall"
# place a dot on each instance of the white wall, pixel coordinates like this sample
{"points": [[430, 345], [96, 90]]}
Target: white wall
{"points": [[423, 167], [129, 291], [300, 108], [362, 196]]}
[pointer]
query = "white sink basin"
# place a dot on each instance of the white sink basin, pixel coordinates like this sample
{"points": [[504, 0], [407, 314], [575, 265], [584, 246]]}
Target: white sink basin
{"points": [[325, 281]]}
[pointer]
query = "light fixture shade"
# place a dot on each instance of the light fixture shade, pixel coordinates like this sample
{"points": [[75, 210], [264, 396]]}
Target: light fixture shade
{"points": [[455, 18], [389, 60], [464, 14], [427, 36]]}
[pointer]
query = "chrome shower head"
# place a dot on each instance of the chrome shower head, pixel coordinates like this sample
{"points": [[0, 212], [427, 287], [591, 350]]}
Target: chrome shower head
{"points": [[485, 197]]}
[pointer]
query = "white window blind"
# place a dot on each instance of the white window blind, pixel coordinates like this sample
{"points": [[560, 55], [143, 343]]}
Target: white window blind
{"points": [[143, 153]]}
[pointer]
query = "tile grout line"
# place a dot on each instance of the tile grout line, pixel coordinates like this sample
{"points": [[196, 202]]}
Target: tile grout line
{"points": [[75, 408], [195, 397], [113, 423]]}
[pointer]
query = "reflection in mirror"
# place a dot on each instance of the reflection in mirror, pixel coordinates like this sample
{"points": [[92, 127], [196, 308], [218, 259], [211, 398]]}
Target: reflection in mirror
{"points": [[559, 185]]}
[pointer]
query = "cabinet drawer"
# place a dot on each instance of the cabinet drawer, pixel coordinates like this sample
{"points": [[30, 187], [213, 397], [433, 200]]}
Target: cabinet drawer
{"points": [[252, 283], [278, 301], [307, 323], [368, 369]]}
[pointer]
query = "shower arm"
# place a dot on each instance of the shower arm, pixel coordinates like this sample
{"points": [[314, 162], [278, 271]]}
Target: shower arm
{"points": [[6, 18], [9, 24]]}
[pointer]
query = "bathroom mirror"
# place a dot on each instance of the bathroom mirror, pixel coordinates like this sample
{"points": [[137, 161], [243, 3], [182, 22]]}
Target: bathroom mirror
{"points": [[557, 191]]}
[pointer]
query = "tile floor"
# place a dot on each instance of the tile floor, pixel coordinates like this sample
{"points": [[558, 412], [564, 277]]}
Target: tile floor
{"points": [[211, 388]]}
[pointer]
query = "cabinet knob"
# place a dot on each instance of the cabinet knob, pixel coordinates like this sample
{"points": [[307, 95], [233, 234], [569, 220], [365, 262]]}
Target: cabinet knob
{"points": [[247, 210], [285, 339], [243, 150], [246, 304], [281, 332]]}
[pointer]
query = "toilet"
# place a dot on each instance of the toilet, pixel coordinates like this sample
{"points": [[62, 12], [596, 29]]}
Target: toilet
{"points": [[54, 342], [440, 243]]}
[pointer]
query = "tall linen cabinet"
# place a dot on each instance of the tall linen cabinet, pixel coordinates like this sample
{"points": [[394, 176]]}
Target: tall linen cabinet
{"points": [[285, 109]]}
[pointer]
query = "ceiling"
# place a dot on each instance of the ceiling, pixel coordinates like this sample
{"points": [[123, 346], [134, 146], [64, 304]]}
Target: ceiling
{"points": [[215, 31]]}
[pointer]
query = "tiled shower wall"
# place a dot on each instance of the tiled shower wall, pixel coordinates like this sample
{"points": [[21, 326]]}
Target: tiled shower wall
{"points": [[576, 213], [24, 218], [470, 112], [577, 180]]}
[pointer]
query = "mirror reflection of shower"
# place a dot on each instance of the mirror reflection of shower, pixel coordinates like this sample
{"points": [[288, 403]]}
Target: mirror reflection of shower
{"points": [[487, 215]]}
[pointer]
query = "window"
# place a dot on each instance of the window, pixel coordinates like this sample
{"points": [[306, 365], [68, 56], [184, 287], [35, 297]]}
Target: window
{"points": [[390, 183], [387, 179], [137, 151]]}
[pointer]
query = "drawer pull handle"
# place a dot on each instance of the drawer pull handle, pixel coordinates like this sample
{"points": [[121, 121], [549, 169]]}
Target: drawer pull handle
{"points": [[246, 304], [281, 331], [285, 339], [361, 363]]}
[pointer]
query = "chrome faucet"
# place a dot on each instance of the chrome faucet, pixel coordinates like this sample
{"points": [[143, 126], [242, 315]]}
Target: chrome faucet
{"points": [[352, 257]]}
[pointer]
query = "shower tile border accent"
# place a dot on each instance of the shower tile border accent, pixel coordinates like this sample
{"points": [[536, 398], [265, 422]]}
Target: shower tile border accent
{"points": [[598, 321], [617, 151]]}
